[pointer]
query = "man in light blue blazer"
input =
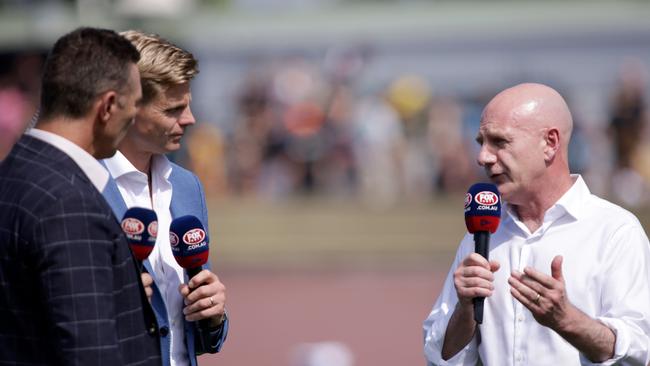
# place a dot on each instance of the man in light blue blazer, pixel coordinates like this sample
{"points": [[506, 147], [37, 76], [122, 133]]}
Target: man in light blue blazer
{"points": [[141, 175]]}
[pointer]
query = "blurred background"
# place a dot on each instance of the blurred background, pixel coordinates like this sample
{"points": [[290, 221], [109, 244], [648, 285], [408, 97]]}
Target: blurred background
{"points": [[336, 137]]}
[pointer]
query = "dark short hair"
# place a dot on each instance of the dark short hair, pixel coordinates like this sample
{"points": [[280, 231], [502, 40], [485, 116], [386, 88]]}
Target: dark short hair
{"points": [[82, 65]]}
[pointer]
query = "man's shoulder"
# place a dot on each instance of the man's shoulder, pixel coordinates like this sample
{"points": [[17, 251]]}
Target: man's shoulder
{"points": [[181, 172], [31, 157], [183, 177], [34, 166], [188, 196], [39, 178], [601, 209]]}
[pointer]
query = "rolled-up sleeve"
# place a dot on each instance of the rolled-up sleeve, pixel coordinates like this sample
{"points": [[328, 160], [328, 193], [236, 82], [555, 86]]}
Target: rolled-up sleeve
{"points": [[626, 297], [435, 325]]}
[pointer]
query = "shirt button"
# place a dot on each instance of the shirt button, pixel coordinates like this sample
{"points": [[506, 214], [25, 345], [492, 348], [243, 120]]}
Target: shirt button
{"points": [[164, 331], [520, 318]]}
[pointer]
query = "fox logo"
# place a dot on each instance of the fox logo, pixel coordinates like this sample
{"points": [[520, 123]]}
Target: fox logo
{"points": [[132, 226], [194, 236], [173, 239], [468, 199], [153, 229], [486, 198]]}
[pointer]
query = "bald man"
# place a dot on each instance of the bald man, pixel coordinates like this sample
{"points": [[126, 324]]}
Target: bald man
{"points": [[568, 281]]}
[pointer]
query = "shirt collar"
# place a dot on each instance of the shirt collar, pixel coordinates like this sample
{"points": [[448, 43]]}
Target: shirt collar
{"points": [[95, 172], [119, 166], [571, 203], [161, 166], [572, 200]]}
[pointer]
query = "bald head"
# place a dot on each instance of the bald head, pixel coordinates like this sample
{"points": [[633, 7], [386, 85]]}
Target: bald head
{"points": [[531, 107], [524, 137]]}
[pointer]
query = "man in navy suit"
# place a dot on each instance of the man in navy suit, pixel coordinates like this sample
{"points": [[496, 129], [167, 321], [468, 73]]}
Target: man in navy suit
{"points": [[70, 292], [142, 176]]}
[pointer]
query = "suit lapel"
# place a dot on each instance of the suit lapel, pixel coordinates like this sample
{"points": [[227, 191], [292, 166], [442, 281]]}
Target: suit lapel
{"points": [[176, 211], [113, 197]]}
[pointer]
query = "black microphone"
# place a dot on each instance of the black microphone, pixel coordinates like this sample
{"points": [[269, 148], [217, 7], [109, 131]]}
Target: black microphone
{"points": [[189, 243], [482, 216]]}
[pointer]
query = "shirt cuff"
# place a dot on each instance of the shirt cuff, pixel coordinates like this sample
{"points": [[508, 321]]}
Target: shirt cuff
{"points": [[218, 335], [434, 341], [621, 345], [466, 356], [213, 341]]}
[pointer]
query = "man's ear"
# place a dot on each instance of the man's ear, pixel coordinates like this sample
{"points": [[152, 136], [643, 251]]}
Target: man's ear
{"points": [[552, 138], [106, 105]]}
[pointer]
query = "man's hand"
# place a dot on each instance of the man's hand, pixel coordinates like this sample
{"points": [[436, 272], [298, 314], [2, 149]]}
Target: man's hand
{"points": [[545, 296], [147, 281], [205, 298], [474, 278]]}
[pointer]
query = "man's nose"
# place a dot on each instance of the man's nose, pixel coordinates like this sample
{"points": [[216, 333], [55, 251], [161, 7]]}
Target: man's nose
{"points": [[187, 118], [486, 156]]}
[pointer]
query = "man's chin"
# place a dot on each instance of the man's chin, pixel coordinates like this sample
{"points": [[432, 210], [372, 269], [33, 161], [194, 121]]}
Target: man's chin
{"points": [[503, 187], [171, 147]]}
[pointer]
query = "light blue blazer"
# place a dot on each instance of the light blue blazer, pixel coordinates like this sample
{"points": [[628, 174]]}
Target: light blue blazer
{"points": [[187, 199]]}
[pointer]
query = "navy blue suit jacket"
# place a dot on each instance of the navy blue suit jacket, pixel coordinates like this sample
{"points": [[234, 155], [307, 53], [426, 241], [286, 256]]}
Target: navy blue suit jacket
{"points": [[187, 199], [70, 292]]}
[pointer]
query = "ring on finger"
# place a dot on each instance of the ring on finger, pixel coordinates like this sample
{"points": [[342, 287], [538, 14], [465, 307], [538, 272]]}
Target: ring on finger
{"points": [[536, 301]]}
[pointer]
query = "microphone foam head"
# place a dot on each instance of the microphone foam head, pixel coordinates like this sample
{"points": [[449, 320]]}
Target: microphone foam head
{"points": [[482, 208], [189, 242], [140, 225]]}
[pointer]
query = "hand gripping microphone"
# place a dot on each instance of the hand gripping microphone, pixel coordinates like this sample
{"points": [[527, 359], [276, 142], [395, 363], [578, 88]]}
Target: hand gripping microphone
{"points": [[189, 243], [482, 216], [140, 225]]}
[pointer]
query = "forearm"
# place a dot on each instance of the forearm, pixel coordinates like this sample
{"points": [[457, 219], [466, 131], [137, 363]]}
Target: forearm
{"points": [[593, 339], [460, 331]]}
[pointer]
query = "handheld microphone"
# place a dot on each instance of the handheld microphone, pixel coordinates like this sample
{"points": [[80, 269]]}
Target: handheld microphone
{"points": [[482, 216], [140, 225], [189, 243]]}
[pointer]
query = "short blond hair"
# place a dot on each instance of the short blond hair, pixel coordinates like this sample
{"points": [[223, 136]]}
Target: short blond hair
{"points": [[162, 64]]}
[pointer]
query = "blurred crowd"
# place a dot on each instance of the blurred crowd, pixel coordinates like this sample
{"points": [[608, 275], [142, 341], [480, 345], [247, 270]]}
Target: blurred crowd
{"points": [[305, 128], [19, 92]]}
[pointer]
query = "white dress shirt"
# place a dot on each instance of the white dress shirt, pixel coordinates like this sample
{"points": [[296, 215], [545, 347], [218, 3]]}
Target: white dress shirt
{"points": [[168, 275], [606, 268], [95, 172]]}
